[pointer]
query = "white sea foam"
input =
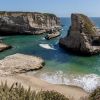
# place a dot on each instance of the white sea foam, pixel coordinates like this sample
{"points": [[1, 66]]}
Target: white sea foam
{"points": [[88, 82], [43, 38], [46, 46]]}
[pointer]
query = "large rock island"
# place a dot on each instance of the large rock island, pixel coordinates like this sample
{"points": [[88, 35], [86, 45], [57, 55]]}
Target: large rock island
{"points": [[12, 23], [83, 37]]}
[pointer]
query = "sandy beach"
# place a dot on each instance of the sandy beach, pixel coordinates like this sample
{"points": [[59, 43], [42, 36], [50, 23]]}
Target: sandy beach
{"points": [[36, 84]]}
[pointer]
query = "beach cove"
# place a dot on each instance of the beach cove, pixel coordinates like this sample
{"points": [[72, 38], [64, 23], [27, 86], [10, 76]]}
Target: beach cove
{"points": [[61, 67]]}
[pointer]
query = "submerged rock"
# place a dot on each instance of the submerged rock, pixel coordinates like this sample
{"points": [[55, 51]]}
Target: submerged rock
{"points": [[83, 37], [12, 23], [4, 47], [20, 63]]}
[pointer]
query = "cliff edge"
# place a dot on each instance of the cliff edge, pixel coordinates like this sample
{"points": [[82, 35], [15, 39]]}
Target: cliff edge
{"points": [[12, 23]]}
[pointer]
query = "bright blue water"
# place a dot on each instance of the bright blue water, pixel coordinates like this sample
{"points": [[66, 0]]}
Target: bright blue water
{"points": [[61, 67]]}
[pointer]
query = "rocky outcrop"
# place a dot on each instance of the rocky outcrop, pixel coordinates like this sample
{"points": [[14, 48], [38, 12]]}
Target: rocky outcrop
{"points": [[12, 23], [83, 37], [20, 63], [4, 47], [52, 35]]}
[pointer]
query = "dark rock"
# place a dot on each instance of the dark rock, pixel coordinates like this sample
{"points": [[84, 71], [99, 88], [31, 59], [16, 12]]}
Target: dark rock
{"points": [[18, 23], [83, 37], [4, 47], [52, 35]]}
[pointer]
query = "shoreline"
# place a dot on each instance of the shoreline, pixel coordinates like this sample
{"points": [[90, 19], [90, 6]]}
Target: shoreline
{"points": [[38, 84], [88, 82]]}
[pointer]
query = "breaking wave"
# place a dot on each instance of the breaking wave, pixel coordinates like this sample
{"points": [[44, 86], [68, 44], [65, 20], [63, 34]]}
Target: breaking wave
{"points": [[88, 82], [47, 46]]}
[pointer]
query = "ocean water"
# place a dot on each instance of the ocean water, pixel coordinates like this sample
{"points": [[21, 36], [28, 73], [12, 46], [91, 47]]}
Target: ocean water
{"points": [[61, 67]]}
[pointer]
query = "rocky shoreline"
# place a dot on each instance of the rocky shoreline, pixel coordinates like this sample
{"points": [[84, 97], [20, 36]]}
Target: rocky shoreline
{"points": [[79, 40], [20, 63], [27, 23]]}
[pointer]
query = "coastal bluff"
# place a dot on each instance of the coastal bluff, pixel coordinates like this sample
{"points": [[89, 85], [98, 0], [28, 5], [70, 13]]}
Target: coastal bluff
{"points": [[18, 23], [83, 36]]}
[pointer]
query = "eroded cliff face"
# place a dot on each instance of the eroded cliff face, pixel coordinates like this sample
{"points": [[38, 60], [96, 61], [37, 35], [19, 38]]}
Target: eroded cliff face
{"points": [[27, 23], [83, 37]]}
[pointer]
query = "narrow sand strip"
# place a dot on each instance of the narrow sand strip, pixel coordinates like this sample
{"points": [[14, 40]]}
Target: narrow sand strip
{"points": [[37, 84]]}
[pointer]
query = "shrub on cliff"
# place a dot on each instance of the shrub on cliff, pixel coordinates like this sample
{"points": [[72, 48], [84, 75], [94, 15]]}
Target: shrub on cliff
{"points": [[88, 25], [17, 92], [95, 95], [48, 14]]}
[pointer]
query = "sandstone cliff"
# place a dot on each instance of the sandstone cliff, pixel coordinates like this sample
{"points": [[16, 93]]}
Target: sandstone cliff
{"points": [[83, 37], [12, 23]]}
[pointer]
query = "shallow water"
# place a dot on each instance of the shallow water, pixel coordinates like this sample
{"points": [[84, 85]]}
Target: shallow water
{"points": [[61, 67]]}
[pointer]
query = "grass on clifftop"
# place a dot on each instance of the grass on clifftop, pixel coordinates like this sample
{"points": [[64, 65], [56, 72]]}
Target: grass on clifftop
{"points": [[48, 14], [88, 25], [17, 92]]}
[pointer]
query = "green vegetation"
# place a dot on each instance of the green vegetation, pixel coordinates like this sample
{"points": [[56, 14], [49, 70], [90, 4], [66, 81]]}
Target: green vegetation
{"points": [[48, 14], [88, 25], [95, 95], [17, 92]]}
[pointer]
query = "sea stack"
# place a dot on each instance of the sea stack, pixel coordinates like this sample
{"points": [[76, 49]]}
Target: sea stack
{"points": [[83, 37], [12, 23]]}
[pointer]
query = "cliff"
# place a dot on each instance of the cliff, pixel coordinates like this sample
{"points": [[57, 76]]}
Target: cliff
{"points": [[12, 23], [83, 37]]}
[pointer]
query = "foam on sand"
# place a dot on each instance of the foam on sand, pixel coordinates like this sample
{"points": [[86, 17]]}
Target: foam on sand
{"points": [[88, 82]]}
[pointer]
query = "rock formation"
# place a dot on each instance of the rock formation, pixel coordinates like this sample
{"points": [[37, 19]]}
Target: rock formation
{"points": [[20, 63], [52, 35], [83, 37], [12, 23], [4, 47]]}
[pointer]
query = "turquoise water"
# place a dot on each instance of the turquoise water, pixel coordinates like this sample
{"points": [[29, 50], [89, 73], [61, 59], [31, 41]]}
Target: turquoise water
{"points": [[61, 67]]}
